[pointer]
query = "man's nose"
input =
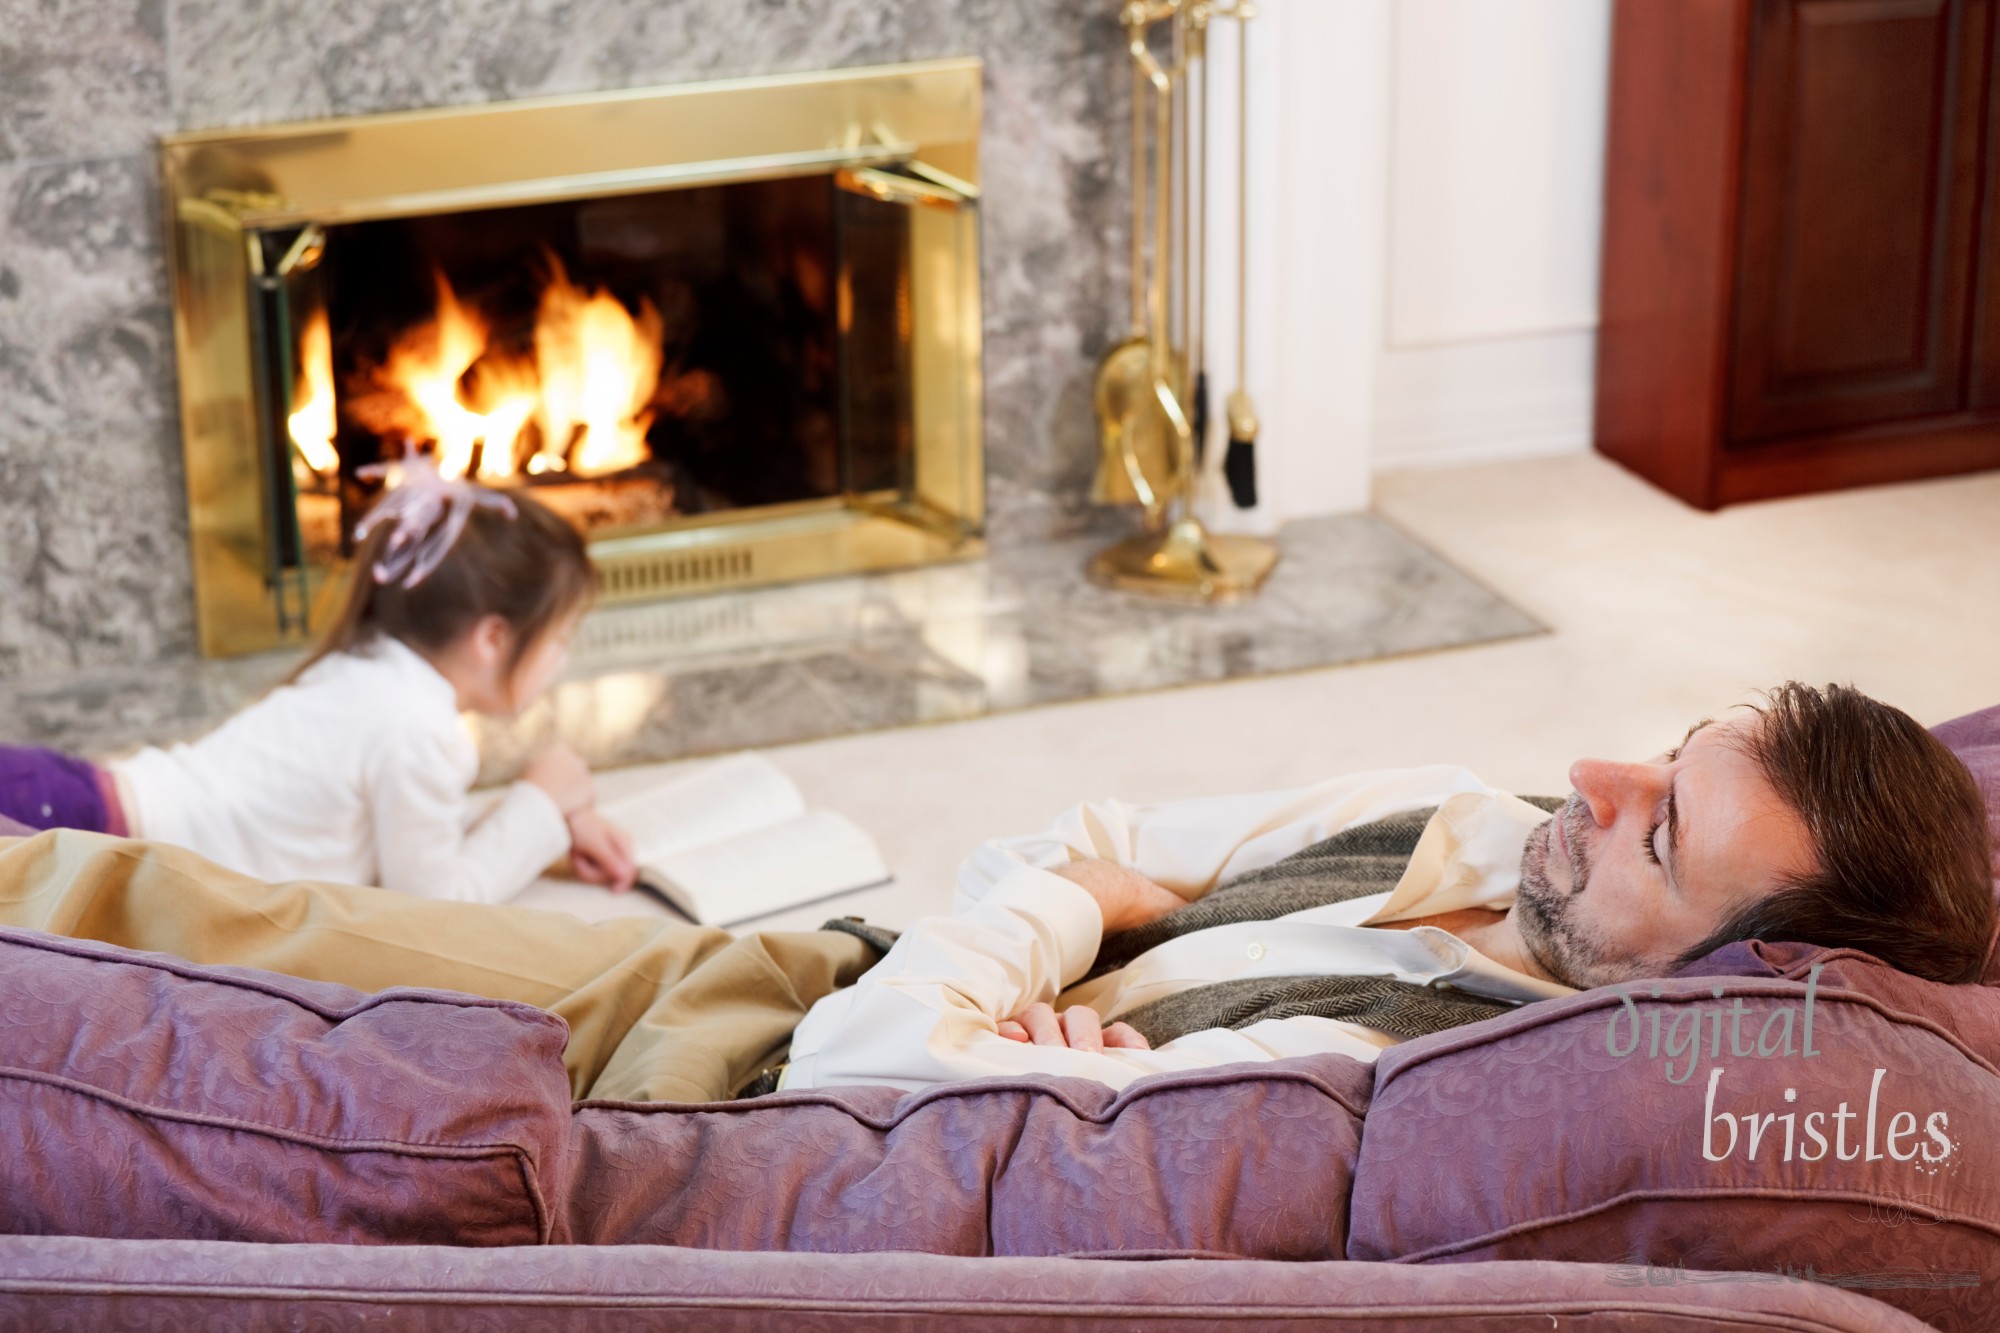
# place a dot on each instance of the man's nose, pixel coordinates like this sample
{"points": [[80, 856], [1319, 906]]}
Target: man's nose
{"points": [[1608, 787]]}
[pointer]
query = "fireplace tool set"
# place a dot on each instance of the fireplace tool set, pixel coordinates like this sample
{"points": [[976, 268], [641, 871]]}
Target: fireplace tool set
{"points": [[1152, 388]]}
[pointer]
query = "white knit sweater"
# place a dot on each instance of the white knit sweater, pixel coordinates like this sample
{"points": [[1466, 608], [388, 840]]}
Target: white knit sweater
{"points": [[357, 774]]}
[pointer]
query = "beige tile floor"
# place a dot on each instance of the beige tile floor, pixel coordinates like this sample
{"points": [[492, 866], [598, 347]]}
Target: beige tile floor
{"points": [[1661, 615]]}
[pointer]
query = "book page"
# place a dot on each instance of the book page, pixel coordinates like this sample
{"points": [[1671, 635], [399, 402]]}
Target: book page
{"points": [[769, 869], [713, 803]]}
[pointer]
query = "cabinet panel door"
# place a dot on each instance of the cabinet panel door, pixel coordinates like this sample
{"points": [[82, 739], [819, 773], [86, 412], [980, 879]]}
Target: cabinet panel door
{"points": [[1860, 190], [1984, 373]]}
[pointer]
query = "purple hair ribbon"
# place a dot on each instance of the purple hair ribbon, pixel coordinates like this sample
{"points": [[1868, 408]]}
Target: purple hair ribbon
{"points": [[428, 512]]}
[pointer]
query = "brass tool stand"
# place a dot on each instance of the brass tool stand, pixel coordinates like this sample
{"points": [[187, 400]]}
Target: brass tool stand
{"points": [[1176, 557]]}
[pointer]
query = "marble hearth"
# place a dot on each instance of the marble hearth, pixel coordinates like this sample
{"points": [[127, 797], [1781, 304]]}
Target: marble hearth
{"points": [[1019, 629]]}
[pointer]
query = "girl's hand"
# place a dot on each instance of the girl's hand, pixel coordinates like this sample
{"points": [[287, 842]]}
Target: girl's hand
{"points": [[561, 772], [601, 852]]}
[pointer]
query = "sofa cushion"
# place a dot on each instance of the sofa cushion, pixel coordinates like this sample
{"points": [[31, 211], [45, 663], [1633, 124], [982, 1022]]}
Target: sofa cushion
{"points": [[1975, 738], [1548, 1134], [1244, 1160], [148, 1097]]}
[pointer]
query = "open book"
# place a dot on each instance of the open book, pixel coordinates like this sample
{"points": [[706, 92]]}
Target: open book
{"points": [[733, 840]]}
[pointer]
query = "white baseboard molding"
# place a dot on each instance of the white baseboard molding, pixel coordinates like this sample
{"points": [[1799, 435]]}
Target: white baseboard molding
{"points": [[1452, 404]]}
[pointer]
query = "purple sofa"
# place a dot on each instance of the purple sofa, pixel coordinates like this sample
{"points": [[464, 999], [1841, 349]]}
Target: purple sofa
{"points": [[218, 1147]]}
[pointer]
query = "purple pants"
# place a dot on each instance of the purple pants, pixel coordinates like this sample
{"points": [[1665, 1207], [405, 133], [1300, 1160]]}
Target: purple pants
{"points": [[48, 789]]}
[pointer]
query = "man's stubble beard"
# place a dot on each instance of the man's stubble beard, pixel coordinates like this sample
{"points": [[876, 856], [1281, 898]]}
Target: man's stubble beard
{"points": [[1546, 917]]}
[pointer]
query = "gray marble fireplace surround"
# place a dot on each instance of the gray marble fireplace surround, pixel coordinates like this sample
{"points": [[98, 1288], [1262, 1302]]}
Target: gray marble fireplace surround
{"points": [[93, 545], [97, 644]]}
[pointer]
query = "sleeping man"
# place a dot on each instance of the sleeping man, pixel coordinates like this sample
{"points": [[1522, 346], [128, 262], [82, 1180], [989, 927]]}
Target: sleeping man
{"points": [[1823, 817], [1341, 917]]}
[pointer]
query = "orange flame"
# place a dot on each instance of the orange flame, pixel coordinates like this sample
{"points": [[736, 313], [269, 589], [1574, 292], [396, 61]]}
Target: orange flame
{"points": [[599, 368], [580, 401], [311, 422]]}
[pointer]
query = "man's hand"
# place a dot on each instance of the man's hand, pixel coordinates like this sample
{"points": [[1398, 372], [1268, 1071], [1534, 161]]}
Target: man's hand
{"points": [[1125, 897], [601, 852], [1077, 1027]]}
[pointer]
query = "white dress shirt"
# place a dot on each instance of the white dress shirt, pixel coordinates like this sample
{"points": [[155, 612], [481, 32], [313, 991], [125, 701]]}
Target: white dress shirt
{"points": [[356, 774], [1018, 935]]}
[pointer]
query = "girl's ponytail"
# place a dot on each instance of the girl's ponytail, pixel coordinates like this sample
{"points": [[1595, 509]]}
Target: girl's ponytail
{"points": [[353, 625]]}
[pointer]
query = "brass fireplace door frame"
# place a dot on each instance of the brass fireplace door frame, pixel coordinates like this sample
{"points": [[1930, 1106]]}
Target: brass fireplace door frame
{"points": [[906, 134]]}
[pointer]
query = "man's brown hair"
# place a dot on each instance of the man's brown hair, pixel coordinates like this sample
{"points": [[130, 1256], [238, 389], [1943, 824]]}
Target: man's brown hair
{"points": [[1900, 831]]}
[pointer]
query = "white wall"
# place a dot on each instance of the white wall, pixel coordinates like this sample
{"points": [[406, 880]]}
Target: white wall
{"points": [[1426, 195], [1494, 201]]}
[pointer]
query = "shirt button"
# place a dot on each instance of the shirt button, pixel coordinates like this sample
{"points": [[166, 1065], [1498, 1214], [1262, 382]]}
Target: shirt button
{"points": [[1256, 952], [48, 811]]}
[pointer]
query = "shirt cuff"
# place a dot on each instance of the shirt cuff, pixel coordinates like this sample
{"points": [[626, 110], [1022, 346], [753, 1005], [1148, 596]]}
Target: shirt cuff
{"points": [[1071, 916]]}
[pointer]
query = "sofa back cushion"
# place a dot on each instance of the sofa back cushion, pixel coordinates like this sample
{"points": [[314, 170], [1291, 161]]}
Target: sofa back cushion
{"points": [[1975, 738], [1252, 1160], [147, 1097], [1567, 1131]]}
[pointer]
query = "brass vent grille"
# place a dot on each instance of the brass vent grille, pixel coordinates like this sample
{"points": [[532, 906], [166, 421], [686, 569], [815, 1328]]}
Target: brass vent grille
{"points": [[643, 632], [661, 573]]}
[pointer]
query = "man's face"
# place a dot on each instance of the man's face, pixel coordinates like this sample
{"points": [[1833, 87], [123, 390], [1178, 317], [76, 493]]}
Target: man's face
{"points": [[1645, 860]]}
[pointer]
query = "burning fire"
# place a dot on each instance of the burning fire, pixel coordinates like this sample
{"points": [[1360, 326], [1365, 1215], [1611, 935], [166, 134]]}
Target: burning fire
{"points": [[599, 368], [579, 401], [312, 422]]}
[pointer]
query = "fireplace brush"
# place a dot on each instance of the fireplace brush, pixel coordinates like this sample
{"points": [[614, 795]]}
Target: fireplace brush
{"points": [[1239, 461]]}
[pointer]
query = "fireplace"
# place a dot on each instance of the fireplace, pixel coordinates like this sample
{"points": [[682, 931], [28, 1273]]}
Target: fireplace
{"points": [[730, 331]]}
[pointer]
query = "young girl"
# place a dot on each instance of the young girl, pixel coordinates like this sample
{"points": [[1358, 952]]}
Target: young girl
{"points": [[356, 770]]}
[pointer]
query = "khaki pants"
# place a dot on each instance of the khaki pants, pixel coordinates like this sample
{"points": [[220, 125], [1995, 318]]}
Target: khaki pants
{"points": [[657, 1010]]}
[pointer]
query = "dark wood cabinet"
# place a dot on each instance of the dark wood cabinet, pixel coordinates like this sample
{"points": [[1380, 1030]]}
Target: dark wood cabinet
{"points": [[1801, 285]]}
